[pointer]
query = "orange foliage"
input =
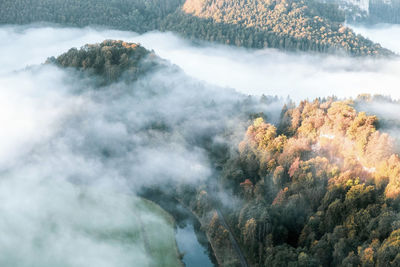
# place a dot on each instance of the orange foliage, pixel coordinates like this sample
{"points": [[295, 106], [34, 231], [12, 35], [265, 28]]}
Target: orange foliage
{"points": [[335, 131]]}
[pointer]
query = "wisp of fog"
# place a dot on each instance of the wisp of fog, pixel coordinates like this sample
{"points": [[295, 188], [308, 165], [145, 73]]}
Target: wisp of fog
{"points": [[268, 71]]}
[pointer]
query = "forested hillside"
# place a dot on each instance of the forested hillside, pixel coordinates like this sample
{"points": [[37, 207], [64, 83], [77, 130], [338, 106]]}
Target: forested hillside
{"points": [[290, 25], [321, 188], [384, 11], [135, 15], [294, 25], [369, 11]]}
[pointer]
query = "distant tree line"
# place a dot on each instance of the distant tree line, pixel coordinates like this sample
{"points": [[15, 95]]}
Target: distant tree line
{"points": [[304, 25], [379, 11], [135, 15], [291, 25]]}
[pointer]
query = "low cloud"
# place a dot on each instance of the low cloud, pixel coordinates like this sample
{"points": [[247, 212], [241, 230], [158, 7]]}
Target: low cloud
{"points": [[73, 155], [268, 71], [70, 154]]}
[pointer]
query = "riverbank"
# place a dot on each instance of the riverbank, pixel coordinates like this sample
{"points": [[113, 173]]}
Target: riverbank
{"points": [[210, 223], [218, 236]]}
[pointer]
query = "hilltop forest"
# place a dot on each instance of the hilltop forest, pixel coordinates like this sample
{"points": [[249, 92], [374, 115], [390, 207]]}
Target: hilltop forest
{"points": [[294, 25]]}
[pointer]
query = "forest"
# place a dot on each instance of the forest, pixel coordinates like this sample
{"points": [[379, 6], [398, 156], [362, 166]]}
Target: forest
{"points": [[208, 133], [108, 61], [317, 188], [292, 25], [372, 11], [289, 25], [320, 188], [381, 11], [138, 15]]}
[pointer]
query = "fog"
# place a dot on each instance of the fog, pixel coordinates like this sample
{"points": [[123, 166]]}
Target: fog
{"points": [[257, 72], [61, 205], [386, 34], [72, 157]]}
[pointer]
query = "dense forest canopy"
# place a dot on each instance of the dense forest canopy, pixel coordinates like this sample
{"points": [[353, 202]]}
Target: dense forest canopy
{"points": [[136, 15], [291, 25], [305, 25], [109, 60], [321, 188]]}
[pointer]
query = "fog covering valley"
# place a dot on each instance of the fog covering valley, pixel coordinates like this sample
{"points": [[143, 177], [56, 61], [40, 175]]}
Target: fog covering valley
{"points": [[255, 72], [73, 156], [69, 147]]}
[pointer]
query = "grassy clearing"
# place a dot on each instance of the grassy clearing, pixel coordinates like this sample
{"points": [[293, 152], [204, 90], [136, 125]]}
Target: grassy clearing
{"points": [[143, 230], [159, 234]]}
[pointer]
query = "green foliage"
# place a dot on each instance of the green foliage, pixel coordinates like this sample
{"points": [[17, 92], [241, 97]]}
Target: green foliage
{"points": [[109, 60], [134, 15]]}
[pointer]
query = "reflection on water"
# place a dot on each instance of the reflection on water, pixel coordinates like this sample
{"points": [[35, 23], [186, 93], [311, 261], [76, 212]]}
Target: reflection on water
{"points": [[195, 250]]}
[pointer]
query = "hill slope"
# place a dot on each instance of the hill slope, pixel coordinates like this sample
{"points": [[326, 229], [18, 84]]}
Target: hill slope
{"points": [[319, 189], [289, 25], [135, 15], [292, 25]]}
